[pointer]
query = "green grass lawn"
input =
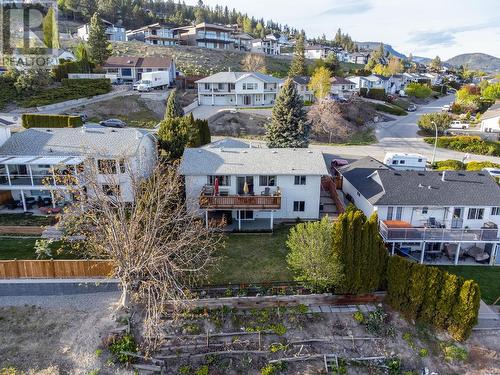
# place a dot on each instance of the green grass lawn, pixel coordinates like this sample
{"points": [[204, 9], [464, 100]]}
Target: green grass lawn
{"points": [[253, 258], [24, 248], [488, 279], [26, 220]]}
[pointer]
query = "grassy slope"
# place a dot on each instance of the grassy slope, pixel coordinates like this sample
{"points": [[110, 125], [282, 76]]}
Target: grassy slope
{"points": [[253, 258], [488, 279]]}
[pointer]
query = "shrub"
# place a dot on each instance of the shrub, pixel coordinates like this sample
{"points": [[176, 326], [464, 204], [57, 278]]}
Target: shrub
{"points": [[471, 144], [418, 90], [32, 120], [451, 352], [442, 120], [359, 317], [125, 343], [393, 110], [273, 368], [478, 165], [203, 370], [8, 93], [448, 165], [377, 94], [377, 323]]}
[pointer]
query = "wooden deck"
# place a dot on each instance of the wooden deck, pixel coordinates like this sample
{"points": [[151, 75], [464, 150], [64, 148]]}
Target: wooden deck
{"points": [[243, 202]]}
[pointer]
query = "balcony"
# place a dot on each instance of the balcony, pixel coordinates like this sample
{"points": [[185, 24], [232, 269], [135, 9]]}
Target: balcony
{"points": [[242, 202], [407, 233]]}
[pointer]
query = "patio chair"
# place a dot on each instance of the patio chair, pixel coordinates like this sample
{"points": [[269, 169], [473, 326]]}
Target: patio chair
{"points": [[267, 192]]}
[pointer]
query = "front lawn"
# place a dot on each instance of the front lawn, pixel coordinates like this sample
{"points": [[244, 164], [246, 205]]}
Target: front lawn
{"points": [[488, 279], [253, 258], [24, 248], [24, 220]]}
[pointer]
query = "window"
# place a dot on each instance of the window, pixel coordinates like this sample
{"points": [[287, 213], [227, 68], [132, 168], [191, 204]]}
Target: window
{"points": [[207, 86], [122, 165], [401, 162], [300, 180], [475, 213], [223, 180], [106, 166], [299, 206], [425, 210], [394, 162], [390, 211], [250, 86], [126, 72], [399, 213], [267, 180], [495, 211]]}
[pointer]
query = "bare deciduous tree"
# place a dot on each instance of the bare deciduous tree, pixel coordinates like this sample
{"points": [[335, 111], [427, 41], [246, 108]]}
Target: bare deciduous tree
{"points": [[253, 62], [158, 246]]}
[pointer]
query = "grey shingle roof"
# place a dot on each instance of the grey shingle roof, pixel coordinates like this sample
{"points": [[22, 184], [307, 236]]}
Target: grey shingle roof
{"points": [[232, 77], [358, 173], [74, 142], [252, 161]]}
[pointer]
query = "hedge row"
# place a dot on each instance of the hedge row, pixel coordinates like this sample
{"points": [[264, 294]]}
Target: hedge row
{"points": [[31, 120], [457, 165], [393, 110], [377, 94], [472, 144], [69, 90], [431, 295]]}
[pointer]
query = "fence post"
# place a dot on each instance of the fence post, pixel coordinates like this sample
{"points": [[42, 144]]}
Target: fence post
{"points": [[18, 273], [53, 268]]}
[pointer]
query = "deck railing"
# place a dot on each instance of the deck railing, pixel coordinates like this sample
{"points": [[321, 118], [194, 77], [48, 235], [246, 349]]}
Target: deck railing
{"points": [[240, 202], [418, 234]]}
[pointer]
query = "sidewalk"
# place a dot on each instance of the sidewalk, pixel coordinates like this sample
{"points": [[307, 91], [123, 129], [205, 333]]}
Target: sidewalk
{"points": [[50, 287]]}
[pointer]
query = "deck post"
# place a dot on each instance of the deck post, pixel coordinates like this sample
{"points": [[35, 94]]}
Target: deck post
{"points": [[393, 248], [272, 219], [8, 174], [31, 175], [206, 218], [458, 253], [24, 200], [422, 253], [239, 219]]}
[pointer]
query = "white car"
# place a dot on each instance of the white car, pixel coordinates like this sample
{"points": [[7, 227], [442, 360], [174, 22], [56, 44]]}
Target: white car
{"points": [[446, 108], [459, 125]]}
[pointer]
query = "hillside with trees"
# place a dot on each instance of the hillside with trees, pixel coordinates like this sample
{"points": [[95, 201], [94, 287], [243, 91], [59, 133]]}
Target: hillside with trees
{"points": [[476, 61]]}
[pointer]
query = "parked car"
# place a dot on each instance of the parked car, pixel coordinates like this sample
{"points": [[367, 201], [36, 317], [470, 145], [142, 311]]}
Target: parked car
{"points": [[446, 108], [412, 108], [456, 124], [113, 123], [83, 116]]}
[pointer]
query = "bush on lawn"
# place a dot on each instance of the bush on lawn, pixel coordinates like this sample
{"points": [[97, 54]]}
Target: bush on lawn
{"points": [[377, 94], [448, 165], [471, 144], [479, 165], [442, 120], [441, 89], [393, 110], [32, 120], [418, 90], [434, 296], [70, 89]]}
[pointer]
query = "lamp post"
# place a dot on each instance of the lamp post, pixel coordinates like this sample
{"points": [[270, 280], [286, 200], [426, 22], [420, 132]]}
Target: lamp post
{"points": [[435, 142]]}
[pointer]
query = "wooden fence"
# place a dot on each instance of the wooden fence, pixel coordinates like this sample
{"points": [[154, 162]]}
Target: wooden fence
{"points": [[11, 229], [53, 269]]}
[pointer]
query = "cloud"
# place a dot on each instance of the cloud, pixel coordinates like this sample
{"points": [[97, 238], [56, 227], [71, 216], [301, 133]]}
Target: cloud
{"points": [[348, 7]]}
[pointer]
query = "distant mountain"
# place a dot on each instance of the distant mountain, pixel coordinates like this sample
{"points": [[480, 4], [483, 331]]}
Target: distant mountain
{"points": [[421, 60], [375, 45], [476, 61]]}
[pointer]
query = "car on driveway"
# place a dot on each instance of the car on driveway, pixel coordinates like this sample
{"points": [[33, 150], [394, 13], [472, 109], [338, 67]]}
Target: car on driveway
{"points": [[459, 125], [446, 108], [113, 123]]}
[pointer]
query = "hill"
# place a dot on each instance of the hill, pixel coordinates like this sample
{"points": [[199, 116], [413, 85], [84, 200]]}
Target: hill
{"points": [[375, 45], [476, 61]]}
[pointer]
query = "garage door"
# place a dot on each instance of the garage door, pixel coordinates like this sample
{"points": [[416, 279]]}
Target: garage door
{"points": [[206, 100], [220, 100]]}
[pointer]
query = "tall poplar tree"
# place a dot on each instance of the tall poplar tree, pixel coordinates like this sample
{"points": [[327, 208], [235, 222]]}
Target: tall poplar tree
{"points": [[50, 32], [298, 66], [289, 126]]}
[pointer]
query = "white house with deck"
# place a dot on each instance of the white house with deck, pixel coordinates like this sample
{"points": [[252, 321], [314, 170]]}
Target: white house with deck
{"points": [[33, 161], [435, 217], [238, 89], [248, 184]]}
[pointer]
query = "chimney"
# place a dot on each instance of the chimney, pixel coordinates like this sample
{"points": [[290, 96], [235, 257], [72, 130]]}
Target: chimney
{"points": [[443, 177]]}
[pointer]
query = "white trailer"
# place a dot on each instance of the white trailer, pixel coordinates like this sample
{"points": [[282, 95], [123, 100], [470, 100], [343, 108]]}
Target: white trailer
{"points": [[154, 80], [406, 162]]}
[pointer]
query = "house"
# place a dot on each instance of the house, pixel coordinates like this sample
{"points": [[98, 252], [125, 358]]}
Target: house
{"points": [[238, 89], [267, 46], [342, 55], [154, 34], [114, 33], [242, 41], [341, 87], [317, 52], [397, 82], [359, 81], [490, 120], [32, 161], [302, 86], [358, 58], [206, 35], [428, 216], [253, 184], [377, 81], [130, 68]]}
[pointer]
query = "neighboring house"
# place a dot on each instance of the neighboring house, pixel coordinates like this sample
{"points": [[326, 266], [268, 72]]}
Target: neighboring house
{"points": [[490, 120], [341, 87], [429, 216], [377, 81], [32, 160], [342, 55], [65, 55], [359, 81], [302, 85], [206, 35], [397, 83], [434, 78], [242, 41], [358, 58], [238, 89], [154, 34], [254, 183], [130, 68], [113, 33], [267, 46], [317, 52]]}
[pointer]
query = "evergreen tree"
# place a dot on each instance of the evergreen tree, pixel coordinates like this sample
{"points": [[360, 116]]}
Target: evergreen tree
{"points": [[82, 57], [289, 126], [298, 66], [50, 32], [174, 108], [98, 44], [173, 136], [436, 64], [465, 311]]}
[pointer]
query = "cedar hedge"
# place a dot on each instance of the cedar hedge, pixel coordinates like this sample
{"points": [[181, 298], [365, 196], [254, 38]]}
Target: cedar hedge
{"points": [[472, 144], [32, 120], [434, 296], [378, 94]]}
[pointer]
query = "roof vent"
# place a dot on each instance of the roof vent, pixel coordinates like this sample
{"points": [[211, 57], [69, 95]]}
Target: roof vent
{"points": [[481, 174], [420, 185], [309, 152], [429, 187], [397, 174], [199, 151]]}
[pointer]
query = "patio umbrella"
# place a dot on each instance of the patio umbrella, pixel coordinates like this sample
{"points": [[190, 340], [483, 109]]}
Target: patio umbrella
{"points": [[216, 186], [245, 188]]}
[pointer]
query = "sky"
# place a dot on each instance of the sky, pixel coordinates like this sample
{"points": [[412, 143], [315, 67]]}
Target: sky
{"points": [[422, 27]]}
